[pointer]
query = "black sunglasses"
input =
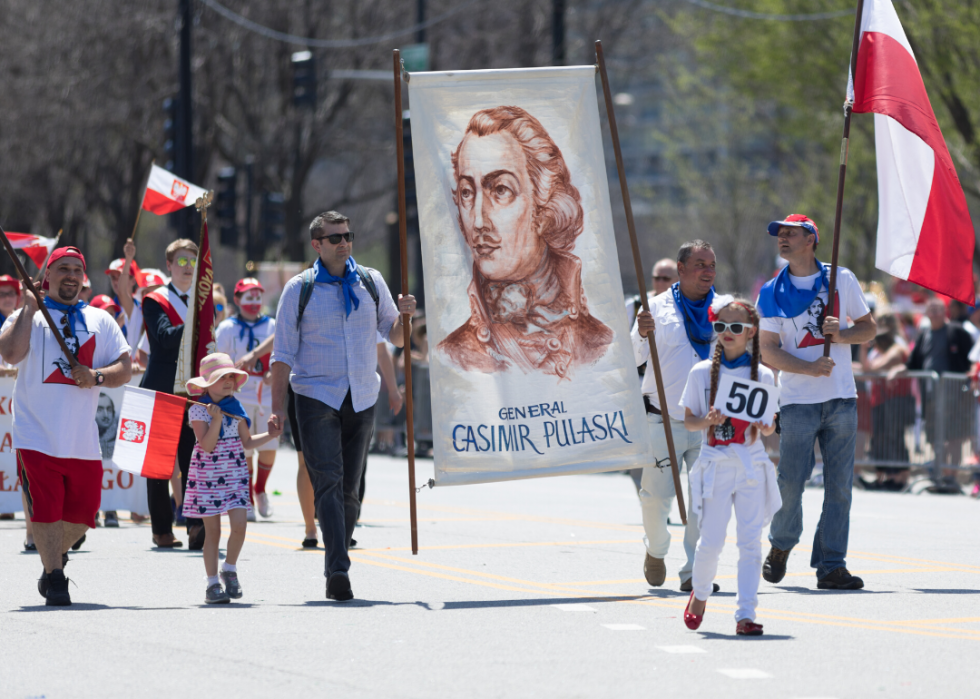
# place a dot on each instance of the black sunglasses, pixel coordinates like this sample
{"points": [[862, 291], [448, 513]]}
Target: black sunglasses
{"points": [[736, 328], [335, 238]]}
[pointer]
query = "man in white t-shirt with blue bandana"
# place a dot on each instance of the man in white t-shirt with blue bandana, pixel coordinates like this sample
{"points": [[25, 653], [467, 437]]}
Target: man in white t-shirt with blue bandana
{"points": [[818, 399]]}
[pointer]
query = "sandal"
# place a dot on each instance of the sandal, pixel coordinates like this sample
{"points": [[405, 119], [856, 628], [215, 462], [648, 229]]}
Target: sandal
{"points": [[30, 548], [693, 621], [747, 627], [78, 544], [310, 543]]}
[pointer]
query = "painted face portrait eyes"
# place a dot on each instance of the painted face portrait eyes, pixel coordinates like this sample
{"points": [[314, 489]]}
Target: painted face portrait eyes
{"points": [[466, 193]]}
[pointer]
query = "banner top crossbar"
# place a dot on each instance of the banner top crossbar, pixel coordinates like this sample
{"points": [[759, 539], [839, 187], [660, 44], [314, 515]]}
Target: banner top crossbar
{"points": [[511, 74]]}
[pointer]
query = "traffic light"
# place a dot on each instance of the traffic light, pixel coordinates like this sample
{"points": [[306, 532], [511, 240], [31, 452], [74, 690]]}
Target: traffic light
{"points": [[304, 79], [273, 217], [171, 107], [225, 206]]}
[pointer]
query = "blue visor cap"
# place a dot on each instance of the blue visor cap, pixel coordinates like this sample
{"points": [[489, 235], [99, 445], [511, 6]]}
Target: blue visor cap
{"points": [[795, 221]]}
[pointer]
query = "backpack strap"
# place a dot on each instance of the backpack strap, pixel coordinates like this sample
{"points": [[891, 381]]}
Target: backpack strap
{"points": [[305, 293], [372, 288]]}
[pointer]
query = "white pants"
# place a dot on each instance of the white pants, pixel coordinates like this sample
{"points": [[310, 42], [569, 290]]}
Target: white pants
{"points": [[259, 415], [731, 487], [657, 491]]}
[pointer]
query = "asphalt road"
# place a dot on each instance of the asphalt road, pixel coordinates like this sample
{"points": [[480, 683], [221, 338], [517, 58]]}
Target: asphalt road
{"points": [[521, 589]]}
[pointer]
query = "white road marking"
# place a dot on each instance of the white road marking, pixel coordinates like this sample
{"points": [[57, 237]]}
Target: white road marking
{"points": [[745, 673], [574, 607], [682, 649], [624, 627]]}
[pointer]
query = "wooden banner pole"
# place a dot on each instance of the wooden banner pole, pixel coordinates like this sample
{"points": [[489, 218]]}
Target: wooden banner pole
{"points": [[44, 266], [403, 238], [142, 199], [31, 287], [654, 356], [842, 173]]}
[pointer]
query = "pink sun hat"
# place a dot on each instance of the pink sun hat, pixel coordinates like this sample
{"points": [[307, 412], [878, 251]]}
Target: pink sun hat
{"points": [[214, 367]]}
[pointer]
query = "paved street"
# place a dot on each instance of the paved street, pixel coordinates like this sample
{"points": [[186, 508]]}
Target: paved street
{"points": [[520, 589]]}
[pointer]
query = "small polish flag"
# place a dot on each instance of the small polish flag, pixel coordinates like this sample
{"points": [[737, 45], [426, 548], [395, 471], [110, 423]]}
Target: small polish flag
{"points": [[166, 193], [36, 247], [149, 430], [925, 233]]}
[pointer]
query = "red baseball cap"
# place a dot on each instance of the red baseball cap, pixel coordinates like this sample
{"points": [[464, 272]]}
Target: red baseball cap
{"points": [[7, 280], [795, 221], [117, 266], [106, 304], [246, 284], [86, 284], [150, 277], [69, 251]]}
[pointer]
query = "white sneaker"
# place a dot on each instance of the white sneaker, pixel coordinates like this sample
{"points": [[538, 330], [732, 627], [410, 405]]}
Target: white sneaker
{"points": [[262, 500], [250, 517]]}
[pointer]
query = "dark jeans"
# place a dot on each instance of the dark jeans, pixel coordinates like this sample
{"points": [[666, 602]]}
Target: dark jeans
{"points": [[834, 424], [158, 489], [335, 443]]}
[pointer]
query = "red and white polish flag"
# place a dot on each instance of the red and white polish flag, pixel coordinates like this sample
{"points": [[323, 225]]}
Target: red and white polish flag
{"points": [[149, 430], [925, 234], [166, 193], [35, 246]]}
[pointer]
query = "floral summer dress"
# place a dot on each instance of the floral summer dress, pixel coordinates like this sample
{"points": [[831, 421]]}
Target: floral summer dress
{"points": [[217, 482]]}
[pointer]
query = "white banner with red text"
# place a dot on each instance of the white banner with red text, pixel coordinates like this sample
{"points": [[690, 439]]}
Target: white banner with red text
{"points": [[120, 490]]}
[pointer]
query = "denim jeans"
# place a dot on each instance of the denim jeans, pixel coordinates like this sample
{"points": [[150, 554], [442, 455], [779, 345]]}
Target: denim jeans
{"points": [[657, 491], [335, 443], [834, 424]]}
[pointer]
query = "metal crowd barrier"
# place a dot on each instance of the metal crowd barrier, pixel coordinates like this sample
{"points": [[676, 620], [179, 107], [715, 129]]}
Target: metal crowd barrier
{"points": [[920, 421]]}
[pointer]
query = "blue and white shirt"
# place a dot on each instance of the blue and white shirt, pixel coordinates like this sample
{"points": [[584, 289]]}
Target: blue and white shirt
{"points": [[332, 353]]}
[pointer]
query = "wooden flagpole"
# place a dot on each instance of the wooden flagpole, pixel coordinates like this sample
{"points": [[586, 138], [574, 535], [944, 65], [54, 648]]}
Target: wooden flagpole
{"points": [[40, 271], [30, 286], [142, 199], [403, 238], [842, 173], [654, 356]]}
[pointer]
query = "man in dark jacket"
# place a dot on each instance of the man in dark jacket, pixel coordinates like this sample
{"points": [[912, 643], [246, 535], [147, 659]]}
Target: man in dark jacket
{"points": [[944, 347], [164, 311]]}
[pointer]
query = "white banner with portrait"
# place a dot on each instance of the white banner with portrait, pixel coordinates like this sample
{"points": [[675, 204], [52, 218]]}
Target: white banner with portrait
{"points": [[532, 369], [120, 490]]}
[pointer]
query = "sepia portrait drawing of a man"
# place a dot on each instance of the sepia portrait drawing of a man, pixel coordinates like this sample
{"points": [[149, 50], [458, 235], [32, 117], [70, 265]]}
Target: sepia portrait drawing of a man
{"points": [[520, 215]]}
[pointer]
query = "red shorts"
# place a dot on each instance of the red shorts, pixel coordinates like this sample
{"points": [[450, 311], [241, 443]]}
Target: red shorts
{"points": [[68, 490]]}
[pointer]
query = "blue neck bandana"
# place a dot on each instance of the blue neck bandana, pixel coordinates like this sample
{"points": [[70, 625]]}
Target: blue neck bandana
{"points": [[779, 298], [250, 327], [695, 319], [347, 282], [230, 405], [744, 359], [73, 312]]}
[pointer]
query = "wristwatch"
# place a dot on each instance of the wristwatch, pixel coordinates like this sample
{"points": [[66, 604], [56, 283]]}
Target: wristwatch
{"points": [[99, 378]]}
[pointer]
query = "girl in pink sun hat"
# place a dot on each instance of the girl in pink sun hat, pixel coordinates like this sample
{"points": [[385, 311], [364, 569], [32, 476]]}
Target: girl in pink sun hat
{"points": [[217, 481]]}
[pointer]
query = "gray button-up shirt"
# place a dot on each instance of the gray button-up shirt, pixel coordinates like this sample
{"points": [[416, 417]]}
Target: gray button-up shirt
{"points": [[330, 352]]}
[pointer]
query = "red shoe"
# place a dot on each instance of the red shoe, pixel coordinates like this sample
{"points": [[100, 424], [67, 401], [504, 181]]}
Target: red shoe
{"points": [[693, 621], [748, 628]]}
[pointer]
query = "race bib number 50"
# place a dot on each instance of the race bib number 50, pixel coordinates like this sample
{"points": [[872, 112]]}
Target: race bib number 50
{"points": [[746, 400]]}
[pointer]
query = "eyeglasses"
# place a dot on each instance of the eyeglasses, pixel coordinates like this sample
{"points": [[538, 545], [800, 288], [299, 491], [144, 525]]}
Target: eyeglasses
{"points": [[335, 238], [662, 279], [184, 261], [736, 328]]}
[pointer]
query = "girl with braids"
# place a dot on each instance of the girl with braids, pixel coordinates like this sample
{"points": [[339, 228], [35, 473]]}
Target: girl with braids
{"points": [[732, 468]]}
